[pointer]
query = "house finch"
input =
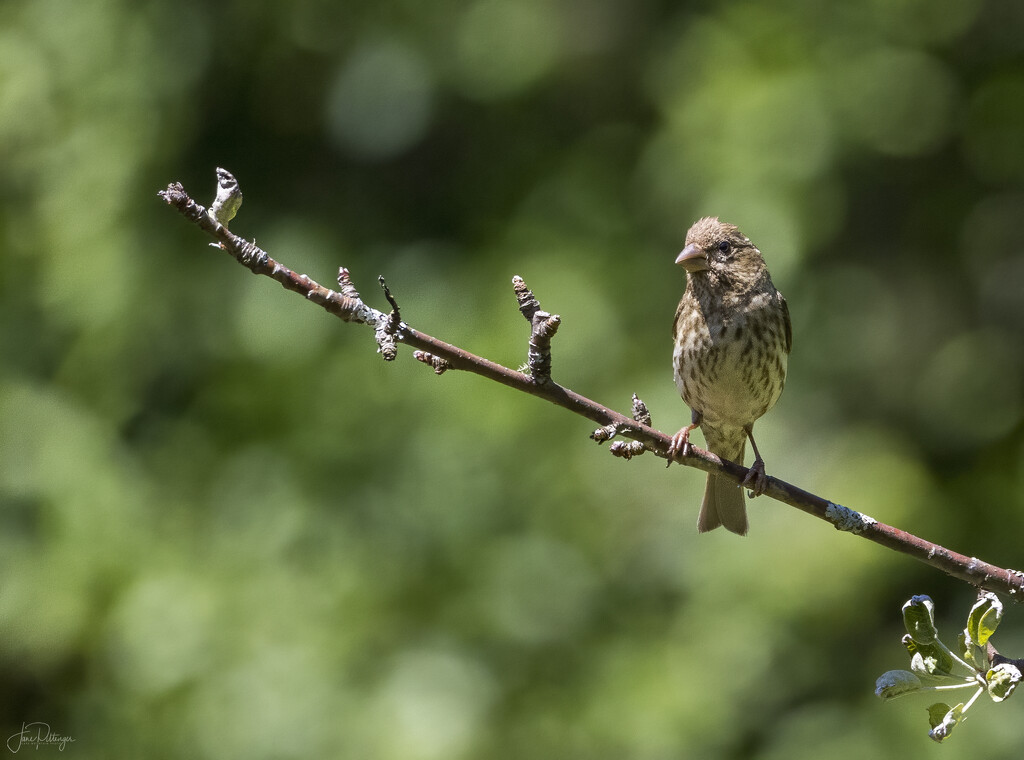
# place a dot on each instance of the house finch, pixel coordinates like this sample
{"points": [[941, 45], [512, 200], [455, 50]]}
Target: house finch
{"points": [[732, 336]]}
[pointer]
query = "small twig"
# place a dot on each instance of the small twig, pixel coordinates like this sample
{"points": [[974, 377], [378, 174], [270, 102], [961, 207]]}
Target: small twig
{"points": [[640, 414], [625, 449], [396, 317], [640, 411], [440, 365], [352, 309], [345, 286], [629, 449], [387, 326], [528, 304], [543, 326], [539, 356]]}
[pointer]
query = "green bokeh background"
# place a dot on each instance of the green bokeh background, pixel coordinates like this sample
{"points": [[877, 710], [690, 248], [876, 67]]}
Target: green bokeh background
{"points": [[229, 530]]}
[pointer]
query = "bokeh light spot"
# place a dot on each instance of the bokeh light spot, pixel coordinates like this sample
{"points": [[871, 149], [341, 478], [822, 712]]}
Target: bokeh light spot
{"points": [[381, 101], [431, 704], [898, 102], [504, 47], [538, 589], [969, 392]]}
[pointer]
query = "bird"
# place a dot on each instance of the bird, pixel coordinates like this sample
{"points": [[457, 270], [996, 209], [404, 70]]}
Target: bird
{"points": [[732, 337]]}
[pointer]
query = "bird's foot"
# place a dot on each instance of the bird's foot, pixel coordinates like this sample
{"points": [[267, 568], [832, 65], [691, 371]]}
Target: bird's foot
{"points": [[757, 479], [680, 445]]}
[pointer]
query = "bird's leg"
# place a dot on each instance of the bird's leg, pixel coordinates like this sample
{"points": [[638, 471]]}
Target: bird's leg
{"points": [[757, 479], [681, 441]]}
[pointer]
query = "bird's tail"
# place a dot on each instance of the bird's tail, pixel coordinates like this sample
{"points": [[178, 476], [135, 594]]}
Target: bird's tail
{"points": [[724, 503]]}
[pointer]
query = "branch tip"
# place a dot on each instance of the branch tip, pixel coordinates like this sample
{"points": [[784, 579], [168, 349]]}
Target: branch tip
{"points": [[627, 449], [605, 433], [439, 364], [387, 326], [173, 193], [176, 196], [542, 327], [528, 304], [539, 356], [345, 286], [640, 411], [387, 295]]}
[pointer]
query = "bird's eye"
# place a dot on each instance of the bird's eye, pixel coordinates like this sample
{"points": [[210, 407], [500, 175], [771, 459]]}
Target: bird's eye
{"points": [[724, 246]]}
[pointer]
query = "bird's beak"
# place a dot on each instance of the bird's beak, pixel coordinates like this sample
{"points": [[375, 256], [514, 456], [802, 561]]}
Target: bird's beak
{"points": [[692, 259]]}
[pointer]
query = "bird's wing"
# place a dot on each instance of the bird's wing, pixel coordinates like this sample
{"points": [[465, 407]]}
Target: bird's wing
{"points": [[789, 325], [675, 322]]}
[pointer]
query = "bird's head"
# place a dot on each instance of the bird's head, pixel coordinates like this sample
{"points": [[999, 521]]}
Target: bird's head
{"points": [[719, 249]]}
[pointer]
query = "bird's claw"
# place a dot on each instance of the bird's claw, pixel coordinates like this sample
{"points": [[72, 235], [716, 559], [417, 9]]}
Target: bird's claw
{"points": [[680, 446], [757, 479]]}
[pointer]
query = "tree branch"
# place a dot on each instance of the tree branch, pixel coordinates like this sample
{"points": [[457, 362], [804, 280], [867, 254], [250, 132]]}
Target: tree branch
{"points": [[389, 330]]}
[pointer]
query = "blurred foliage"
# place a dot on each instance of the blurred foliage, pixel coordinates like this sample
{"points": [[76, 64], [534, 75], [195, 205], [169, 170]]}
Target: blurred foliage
{"points": [[227, 529]]}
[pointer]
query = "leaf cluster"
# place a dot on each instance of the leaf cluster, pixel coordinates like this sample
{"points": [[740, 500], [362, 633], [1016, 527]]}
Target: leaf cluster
{"points": [[974, 664]]}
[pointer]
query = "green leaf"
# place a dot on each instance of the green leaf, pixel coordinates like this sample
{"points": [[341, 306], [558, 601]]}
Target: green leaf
{"points": [[931, 660], [936, 713], [984, 618], [971, 654], [963, 646], [943, 718], [919, 618], [1002, 680], [896, 683]]}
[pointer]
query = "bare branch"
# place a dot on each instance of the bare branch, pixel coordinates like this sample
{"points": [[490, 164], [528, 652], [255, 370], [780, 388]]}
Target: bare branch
{"points": [[348, 306]]}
